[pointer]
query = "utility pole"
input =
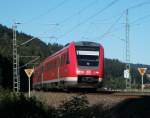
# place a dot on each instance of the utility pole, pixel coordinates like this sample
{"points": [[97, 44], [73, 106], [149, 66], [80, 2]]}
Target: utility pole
{"points": [[128, 80], [16, 58], [15, 61]]}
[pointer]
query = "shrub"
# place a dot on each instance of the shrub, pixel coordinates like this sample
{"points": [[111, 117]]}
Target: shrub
{"points": [[74, 108], [18, 106]]}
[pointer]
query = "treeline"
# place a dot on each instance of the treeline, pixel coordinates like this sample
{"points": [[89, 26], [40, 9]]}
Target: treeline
{"points": [[113, 67], [114, 74]]}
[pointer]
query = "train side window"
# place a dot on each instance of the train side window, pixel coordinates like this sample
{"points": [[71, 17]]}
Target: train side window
{"points": [[65, 56], [67, 59], [61, 59], [36, 75], [52, 66], [48, 66], [42, 68], [55, 63]]}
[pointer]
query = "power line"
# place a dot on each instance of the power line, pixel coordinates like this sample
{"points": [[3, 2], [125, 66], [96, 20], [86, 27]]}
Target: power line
{"points": [[47, 12], [138, 5], [132, 7], [110, 28], [90, 17], [132, 24], [140, 18], [78, 12], [31, 61], [75, 14], [106, 19], [119, 28]]}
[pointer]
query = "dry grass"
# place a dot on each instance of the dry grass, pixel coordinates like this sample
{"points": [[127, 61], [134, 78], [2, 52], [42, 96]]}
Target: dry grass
{"points": [[56, 98]]}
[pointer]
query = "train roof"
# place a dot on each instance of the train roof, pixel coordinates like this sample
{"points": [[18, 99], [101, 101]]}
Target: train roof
{"points": [[87, 43], [84, 43]]}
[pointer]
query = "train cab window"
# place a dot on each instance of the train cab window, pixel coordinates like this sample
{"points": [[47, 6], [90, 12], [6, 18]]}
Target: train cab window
{"points": [[87, 56]]}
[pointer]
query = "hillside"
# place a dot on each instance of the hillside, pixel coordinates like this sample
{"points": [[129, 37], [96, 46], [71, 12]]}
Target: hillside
{"points": [[34, 48], [113, 67]]}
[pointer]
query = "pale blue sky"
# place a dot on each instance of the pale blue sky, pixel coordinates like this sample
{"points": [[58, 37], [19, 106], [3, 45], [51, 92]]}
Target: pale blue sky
{"points": [[75, 20]]}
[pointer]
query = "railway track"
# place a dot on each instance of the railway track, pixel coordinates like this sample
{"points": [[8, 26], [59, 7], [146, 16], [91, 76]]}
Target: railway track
{"points": [[119, 94], [104, 92], [131, 93]]}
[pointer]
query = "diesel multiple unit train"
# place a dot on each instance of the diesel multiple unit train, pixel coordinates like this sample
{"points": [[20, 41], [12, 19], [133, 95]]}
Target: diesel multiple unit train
{"points": [[78, 64]]}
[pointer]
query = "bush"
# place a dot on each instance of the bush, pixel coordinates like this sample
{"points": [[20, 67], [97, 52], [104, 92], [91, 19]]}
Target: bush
{"points": [[18, 106], [96, 111], [74, 108]]}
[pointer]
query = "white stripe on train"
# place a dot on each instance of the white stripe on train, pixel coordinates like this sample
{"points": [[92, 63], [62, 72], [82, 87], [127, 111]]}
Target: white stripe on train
{"points": [[66, 79]]}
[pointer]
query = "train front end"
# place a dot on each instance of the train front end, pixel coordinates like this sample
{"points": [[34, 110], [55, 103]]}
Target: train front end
{"points": [[90, 63]]}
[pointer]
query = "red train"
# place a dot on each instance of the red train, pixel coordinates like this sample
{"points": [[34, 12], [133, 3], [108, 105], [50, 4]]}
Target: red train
{"points": [[78, 64]]}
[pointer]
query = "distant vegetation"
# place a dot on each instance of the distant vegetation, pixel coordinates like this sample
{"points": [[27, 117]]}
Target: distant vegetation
{"points": [[113, 68], [114, 74]]}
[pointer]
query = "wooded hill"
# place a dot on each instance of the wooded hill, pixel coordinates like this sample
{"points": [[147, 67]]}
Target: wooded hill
{"points": [[113, 67]]}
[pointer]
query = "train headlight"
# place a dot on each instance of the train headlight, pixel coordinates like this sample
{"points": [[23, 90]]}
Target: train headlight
{"points": [[97, 72], [80, 72]]}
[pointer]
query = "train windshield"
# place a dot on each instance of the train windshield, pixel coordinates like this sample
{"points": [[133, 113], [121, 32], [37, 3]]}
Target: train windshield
{"points": [[87, 56]]}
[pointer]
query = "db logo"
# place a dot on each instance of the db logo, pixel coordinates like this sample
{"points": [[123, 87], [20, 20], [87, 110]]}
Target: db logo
{"points": [[88, 72]]}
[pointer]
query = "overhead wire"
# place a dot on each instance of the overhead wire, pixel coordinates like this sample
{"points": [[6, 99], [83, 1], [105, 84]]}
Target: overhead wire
{"points": [[47, 12], [78, 12], [133, 23], [132, 7], [119, 28], [90, 17], [139, 5], [105, 21], [110, 28], [140, 18]]}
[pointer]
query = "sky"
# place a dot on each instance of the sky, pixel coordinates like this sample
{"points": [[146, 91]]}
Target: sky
{"points": [[102, 21]]}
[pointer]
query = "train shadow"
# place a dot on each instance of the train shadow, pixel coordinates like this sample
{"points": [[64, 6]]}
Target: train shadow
{"points": [[132, 108], [78, 90], [72, 90]]}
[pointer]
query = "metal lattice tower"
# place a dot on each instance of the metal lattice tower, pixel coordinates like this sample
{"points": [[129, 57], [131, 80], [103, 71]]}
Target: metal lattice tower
{"points": [[128, 80], [18, 56], [15, 61]]}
